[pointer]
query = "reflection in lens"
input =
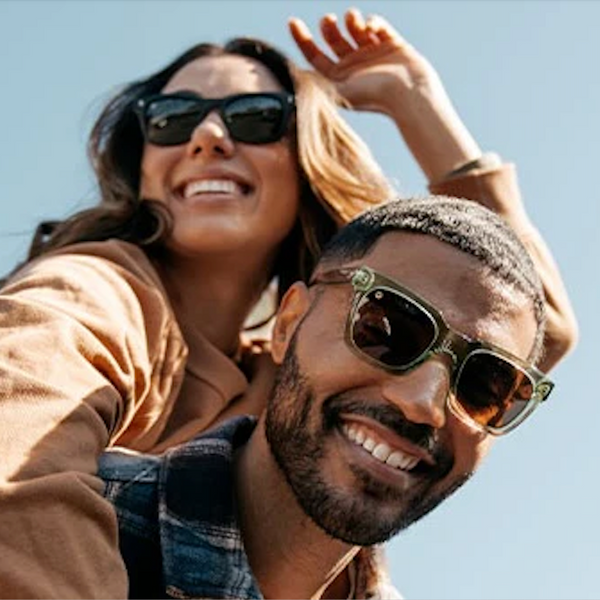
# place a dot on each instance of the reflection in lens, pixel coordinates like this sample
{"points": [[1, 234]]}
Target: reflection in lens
{"points": [[254, 119], [491, 390], [171, 121], [392, 329]]}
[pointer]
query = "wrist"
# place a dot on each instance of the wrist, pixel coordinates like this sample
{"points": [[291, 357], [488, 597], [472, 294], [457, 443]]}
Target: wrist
{"points": [[486, 161]]}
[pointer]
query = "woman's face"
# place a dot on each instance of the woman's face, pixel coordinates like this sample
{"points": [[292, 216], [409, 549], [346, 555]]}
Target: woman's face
{"points": [[225, 196]]}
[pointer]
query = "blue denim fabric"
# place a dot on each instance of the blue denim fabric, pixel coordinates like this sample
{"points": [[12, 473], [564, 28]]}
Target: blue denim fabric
{"points": [[178, 529]]}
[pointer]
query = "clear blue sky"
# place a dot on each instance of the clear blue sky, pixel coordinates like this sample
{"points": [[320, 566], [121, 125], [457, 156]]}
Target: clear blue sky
{"points": [[525, 77]]}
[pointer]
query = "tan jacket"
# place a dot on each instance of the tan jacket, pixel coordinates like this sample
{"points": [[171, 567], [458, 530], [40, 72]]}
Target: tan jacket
{"points": [[92, 355]]}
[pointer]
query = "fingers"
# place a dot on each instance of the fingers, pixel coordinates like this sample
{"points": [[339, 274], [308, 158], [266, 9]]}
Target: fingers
{"points": [[360, 31], [371, 31], [361, 34], [380, 28], [383, 31], [333, 36], [307, 45]]}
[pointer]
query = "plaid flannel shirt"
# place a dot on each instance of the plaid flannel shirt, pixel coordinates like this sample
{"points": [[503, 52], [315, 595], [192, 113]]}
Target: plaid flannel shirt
{"points": [[178, 530]]}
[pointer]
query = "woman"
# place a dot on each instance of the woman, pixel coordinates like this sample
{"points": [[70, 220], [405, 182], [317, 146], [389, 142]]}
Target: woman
{"points": [[123, 327]]}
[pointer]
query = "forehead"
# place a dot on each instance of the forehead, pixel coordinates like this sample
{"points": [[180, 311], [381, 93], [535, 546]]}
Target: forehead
{"points": [[471, 299], [214, 76]]}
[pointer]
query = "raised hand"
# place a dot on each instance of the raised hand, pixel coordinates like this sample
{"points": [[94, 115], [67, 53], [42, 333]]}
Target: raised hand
{"points": [[376, 69], [372, 60]]}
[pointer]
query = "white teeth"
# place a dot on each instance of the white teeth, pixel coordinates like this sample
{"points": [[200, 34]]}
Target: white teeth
{"points": [[380, 450], [396, 460], [399, 460], [369, 444], [222, 186]]}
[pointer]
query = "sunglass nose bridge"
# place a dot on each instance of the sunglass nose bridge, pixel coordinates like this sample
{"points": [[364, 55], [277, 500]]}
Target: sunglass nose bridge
{"points": [[446, 348]]}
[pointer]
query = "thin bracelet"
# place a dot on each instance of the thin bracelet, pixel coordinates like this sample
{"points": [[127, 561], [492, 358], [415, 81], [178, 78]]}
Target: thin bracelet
{"points": [[487, 160]]}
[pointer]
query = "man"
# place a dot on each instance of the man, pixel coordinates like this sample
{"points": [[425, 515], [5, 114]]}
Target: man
{"points": [[412, 347]]}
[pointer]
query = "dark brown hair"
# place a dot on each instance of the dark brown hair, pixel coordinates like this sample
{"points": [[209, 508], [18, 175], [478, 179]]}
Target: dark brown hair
{"points": [[115, 149]]}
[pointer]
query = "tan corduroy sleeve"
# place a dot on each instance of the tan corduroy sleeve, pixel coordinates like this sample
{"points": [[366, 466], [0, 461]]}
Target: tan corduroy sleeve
{"points": [[80, 339], [498, 189]]}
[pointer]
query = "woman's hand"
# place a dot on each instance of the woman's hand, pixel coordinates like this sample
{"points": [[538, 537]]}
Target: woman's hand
{"points": [[377, 70], [372, 60]]}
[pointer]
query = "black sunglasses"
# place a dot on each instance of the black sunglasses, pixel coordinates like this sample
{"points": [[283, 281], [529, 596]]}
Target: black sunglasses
{"points": [[170, 119], [393, 328]]}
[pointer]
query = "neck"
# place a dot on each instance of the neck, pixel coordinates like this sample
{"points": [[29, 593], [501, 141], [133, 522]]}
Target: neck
{"points": [[214, 295], [290, 556]]}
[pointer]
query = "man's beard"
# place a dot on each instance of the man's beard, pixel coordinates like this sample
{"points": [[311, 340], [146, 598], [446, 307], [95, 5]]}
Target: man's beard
{"points": [[298, 433]]}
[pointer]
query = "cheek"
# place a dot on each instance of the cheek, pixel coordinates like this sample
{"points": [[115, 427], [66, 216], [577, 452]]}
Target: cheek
{"points": [[328, 361], [154, 166], [471, 446], [280, 175], [286, 163]]}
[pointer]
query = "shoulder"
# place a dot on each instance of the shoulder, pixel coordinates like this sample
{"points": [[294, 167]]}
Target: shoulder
{"points": [[101, 275], [101, 257], [122, 465], [190, 481], [109, 288], [123, 256]]}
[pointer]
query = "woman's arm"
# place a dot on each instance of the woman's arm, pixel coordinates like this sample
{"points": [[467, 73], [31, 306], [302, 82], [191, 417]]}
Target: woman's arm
{"points": [[497, 188], [77, 355], [375, 69]]}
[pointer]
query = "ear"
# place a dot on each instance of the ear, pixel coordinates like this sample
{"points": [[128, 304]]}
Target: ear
{"points": [[292, 308]]}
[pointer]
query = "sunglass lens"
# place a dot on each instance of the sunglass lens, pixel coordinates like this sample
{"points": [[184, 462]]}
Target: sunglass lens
{"points": [[493, 391], [255, 119], [171, 121], [391, 329]]}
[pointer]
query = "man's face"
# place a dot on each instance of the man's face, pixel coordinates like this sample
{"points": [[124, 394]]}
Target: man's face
{"points": [[365, 451]]}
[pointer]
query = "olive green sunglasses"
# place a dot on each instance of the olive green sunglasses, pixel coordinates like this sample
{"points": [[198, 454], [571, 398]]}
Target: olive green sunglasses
{"points": [[393, 328]]}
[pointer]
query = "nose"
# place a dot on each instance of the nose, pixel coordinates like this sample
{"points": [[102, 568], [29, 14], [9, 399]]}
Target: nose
{"points": [[421, 394], [211, 138]]}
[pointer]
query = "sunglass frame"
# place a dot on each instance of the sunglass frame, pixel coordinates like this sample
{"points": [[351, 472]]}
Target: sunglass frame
{"points": [[207, 105], [458, 346]]}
